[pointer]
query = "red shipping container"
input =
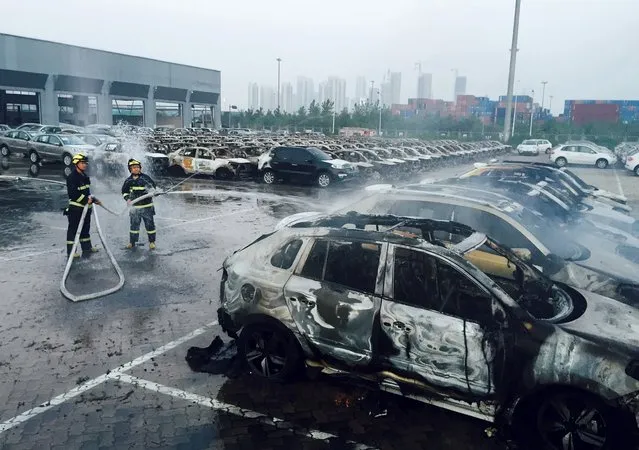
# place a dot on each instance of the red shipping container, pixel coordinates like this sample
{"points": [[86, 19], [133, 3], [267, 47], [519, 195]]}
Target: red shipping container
{"points": [[584, 113]]}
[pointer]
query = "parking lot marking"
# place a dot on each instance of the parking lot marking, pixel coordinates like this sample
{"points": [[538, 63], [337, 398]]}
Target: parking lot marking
{"points": [[232, 409], [618, 182], [28, 255], [189, 222], [55, 401]]}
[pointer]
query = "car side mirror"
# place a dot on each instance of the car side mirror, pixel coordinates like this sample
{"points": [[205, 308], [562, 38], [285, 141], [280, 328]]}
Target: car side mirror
{"points": [[553, 264]]}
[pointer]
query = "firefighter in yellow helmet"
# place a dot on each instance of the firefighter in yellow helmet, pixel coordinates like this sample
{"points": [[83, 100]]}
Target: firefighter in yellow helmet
{"points": [[79, 191], [137, 185]]}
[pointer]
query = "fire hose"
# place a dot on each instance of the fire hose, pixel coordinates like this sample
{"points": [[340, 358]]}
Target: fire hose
{"points": [[76, 240]]}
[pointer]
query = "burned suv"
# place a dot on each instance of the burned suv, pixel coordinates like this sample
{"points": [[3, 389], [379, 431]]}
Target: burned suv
{"points": [[384, 301]]}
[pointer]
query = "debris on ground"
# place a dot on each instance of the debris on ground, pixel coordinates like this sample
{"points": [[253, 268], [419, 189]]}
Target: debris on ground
{"points": [[218, 358]]}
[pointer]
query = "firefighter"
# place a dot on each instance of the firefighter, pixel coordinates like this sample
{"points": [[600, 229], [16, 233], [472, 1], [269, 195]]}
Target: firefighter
{"points": [[134, 187], [79, 191]]}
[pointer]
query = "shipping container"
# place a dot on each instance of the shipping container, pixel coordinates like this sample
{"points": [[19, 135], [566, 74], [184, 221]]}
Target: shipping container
{"points": [[583, 113]]}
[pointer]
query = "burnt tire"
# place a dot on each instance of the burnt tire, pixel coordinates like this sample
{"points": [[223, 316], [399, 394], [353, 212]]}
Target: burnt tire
{"points": [[224, 174], [67, 159], [269, 351], [4, 151], [561, 161], [268, 176], [601, 163], [571, 419], [637, 171]]}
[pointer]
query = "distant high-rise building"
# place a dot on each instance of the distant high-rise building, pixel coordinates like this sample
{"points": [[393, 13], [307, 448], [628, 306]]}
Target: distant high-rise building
{"points": [[305, 91], [287, 104], [361, 90], [460, 87], [425, 86], [336, 92], [395, 87], [322, 93], [268, 98], [253, 96]]}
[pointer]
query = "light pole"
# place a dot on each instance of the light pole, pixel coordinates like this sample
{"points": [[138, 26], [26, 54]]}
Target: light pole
{"points": [[511, 72], [532, 112], [279, 63], [333, 119], [514, 112], [543, 95], [379, 103]]}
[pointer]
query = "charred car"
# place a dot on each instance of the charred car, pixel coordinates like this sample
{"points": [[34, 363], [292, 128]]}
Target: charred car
{"points": [[384, 301], [205, 161], [112, 158]]}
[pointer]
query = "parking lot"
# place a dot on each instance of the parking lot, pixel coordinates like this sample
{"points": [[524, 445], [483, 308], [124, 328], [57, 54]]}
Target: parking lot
{"points": [[112, 373]]}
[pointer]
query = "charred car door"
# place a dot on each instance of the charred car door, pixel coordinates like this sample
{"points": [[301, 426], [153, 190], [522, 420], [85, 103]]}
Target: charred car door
{"points": [[436, 317], [204, 161], [334, 296]]}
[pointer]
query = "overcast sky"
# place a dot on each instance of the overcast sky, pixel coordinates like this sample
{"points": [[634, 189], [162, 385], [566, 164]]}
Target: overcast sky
{"points": [[583, 48]]}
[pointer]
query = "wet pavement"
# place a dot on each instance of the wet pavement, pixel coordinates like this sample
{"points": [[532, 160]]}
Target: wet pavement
{"points": [[111, 372]]}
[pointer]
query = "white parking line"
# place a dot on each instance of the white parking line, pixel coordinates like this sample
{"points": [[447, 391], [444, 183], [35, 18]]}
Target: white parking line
{"points": [[29, 414], [189, 222], [232, 409], [28, 255], [618, 182]]}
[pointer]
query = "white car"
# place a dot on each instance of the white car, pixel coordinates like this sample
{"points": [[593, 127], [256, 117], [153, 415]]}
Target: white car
{"points": [[203, 160], [534, 146], [632, 162], [585, 153]]}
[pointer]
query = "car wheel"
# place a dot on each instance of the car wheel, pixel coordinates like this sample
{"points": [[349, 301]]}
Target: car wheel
{"points": [[268, 176], [33, 156], [269, 351], [223, 174], [561, 161], [4, 150], [576, 420], [324, 180], [601, 163], [67, 159], [637, 171]]}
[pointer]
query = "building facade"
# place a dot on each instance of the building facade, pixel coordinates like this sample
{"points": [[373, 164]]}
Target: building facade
{"points": [[288, 102], [52, 83], [460, 86], [425, 85], [253, 96]]}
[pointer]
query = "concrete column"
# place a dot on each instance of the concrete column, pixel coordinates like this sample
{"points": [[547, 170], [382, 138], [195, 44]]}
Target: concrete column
{"points": [[217, 112], [49, 103], [187, 112], [150, 115], [105, 109]]}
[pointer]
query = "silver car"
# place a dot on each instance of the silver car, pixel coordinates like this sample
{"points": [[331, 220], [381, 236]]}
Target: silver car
{"points": [[382, 300], [14, 141], [56, 147]]}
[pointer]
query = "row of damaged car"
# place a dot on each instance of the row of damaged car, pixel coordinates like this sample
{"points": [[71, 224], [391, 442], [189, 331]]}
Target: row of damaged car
{"points": [[508, 294], [316, 163]]}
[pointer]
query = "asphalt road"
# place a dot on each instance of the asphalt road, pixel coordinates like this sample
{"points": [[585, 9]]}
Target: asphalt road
{"points": [[111, 372]]}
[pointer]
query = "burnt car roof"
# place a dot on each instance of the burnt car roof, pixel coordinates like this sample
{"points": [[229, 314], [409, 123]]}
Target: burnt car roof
{"points": [[472, 239]]}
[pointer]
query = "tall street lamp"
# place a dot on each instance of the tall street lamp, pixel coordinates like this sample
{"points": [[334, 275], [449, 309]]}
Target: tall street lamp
{"points": [[511, 72], [532, 112], [379, 103], [279, 63], [543, 95]]}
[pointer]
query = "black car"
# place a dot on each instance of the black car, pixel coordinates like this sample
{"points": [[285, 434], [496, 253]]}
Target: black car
{"points": [[303, 164]]}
